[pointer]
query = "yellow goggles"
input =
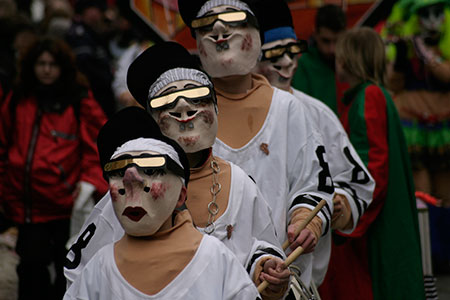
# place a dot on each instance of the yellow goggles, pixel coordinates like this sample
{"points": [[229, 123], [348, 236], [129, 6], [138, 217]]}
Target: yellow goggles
{"points": [[144, 162], [193, 95], [292, 49], [226, 17]]}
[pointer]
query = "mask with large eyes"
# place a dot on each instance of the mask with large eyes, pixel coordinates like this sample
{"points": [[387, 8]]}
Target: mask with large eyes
{"points": [[186, 113], [144, 191], [279, 61], [228, 41]]}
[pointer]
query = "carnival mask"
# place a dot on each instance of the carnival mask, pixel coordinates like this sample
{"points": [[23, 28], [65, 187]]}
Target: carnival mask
{"points": [[186, 113], [279, 61], [144, 190], [228, 41], [431, 19]]}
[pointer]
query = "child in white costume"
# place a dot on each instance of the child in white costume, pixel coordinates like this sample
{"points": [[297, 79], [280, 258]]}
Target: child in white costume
{"points": [[243, 221], [264, 130], [352, 182], [161, 255]]}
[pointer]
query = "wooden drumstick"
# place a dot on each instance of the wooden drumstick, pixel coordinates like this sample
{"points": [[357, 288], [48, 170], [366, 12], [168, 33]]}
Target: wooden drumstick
{"points": [[306, 221], [299, 250]]}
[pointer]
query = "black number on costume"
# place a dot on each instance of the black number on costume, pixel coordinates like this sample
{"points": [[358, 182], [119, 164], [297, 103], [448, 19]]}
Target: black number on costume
{"points": [[81, 243], [324, 175], [358, 174]]}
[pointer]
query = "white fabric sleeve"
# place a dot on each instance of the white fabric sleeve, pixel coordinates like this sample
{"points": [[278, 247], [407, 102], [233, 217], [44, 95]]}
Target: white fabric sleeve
{"points": [[99, 229], [309, 176]]}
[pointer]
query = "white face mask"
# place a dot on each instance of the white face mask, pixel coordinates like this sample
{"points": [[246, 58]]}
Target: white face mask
{"points": [[280, 71], [143, 203], [192, 126], [227, 50]]}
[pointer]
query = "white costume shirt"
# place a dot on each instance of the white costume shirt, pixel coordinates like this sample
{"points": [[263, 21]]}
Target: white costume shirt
{"points": [[289, 174], [350, 176], [253, 233], [252, 237], [213, 273]]}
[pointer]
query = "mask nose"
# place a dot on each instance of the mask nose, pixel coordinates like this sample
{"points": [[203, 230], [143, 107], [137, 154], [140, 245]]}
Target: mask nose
{"points": [[183, 111], [220, 31], [133, 183], [284, 62]]}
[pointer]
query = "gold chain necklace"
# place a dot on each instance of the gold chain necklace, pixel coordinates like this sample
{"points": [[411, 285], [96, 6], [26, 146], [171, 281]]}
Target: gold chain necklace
{"points": [[213, 208]]}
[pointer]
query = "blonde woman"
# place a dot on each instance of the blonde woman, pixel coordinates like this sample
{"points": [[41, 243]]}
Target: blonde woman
{"points": [[382, 256]]}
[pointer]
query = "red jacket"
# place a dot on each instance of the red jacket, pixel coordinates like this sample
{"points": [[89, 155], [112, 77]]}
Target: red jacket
{"points": [[43, 155]]}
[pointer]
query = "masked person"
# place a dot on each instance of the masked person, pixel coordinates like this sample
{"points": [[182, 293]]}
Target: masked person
{"points": [[315, 74], [352, 182], [420, 82], [161, 254], [264, 130], [223, 200]]}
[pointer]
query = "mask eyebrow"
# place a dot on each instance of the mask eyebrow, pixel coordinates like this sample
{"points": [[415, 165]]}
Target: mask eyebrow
{"points": [[124, 156], [227, 9], [168, 90], [188, 85]]}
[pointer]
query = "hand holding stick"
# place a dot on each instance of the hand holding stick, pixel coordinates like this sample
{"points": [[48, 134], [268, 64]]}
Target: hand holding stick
{"points": [[296, 253]]}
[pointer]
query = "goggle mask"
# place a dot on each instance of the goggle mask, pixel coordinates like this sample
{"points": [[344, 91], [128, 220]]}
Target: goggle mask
{"points": [[194, 95], [150, 164], [292, 49], [232, 18]]}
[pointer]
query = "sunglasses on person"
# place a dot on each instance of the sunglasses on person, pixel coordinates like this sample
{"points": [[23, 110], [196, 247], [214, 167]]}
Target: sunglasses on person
{"points": [[291, 49], [232, 18], [194, 95], [149, 163]]}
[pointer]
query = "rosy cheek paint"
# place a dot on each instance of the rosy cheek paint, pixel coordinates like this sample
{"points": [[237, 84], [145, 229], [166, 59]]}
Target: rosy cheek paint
{"points": [[247, 43], [163, 122], [207, 117], [158, 190], [114, 191]]}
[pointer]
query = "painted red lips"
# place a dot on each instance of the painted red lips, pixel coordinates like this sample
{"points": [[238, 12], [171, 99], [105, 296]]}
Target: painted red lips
{"points": [[134, 213]]}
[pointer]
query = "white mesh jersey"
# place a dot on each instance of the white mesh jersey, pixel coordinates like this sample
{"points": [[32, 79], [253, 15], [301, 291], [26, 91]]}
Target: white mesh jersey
{"points": [[213, 273], [287, 159], [246, 228], [350, 176]]}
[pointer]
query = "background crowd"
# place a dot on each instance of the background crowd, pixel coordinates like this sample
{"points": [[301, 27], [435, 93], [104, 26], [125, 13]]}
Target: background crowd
{"points": [[63, 67]]}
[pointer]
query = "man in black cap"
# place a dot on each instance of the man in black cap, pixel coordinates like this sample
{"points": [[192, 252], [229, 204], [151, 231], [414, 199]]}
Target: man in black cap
{"points": [[223, 200], [161, 253], [264, 130], [353, 194]]}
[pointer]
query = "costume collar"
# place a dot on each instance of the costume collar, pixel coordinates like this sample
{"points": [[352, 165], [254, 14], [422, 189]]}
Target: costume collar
{"points": [[181, 219], [257, 81]]}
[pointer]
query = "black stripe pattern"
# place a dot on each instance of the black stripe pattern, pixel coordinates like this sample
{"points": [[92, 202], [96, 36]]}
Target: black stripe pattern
{"points": [[313, 201]]}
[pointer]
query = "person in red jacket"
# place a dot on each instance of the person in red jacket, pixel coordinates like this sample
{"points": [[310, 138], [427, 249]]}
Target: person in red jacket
{"points": [[48, 159]]}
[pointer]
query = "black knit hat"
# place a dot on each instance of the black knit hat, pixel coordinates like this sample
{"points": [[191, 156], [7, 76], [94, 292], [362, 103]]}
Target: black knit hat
{"points": [[131, 123], [153, 62], [189, 8], [273, 14]]}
